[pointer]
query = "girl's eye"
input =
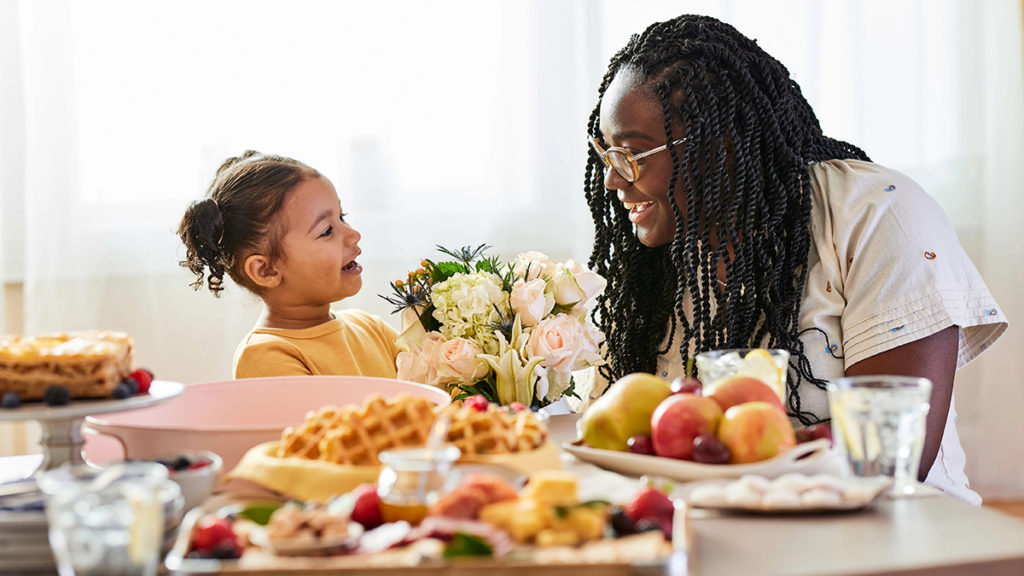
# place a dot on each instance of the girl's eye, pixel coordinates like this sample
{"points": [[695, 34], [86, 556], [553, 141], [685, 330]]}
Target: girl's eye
{"points": [[327, 232]]}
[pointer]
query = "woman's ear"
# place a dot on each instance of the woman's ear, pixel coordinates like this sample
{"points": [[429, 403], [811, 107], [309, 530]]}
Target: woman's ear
{"points": [[259, 269]]}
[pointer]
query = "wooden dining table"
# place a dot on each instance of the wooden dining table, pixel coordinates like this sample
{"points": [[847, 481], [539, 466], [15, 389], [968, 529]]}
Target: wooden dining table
{"points": [[931, 534]]}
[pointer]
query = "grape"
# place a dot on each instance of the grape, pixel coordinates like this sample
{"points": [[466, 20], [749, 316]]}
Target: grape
{"points": [[640, 444], [708, 449], [686, 385]]}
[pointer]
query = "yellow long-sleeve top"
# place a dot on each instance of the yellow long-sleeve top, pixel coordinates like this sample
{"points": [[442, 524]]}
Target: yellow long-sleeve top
{"points": [[354, 343]]}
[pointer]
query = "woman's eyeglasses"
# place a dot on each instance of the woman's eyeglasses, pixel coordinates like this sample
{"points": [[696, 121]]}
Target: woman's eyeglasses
{"points": [[625, 162]]}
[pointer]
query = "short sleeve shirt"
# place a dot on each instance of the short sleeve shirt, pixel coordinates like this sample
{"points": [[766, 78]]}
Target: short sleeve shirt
{"points": [[885, 269]]}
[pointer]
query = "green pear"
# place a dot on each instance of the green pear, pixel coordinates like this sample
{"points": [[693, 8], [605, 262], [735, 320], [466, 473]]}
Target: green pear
{"points": [[623, 411]]}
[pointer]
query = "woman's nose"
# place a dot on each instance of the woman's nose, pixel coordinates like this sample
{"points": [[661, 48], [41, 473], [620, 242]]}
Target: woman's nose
{"points": [[613, 180]]}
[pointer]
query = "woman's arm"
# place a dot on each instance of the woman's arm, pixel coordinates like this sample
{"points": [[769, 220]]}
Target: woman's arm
{"points": [[933, 357]]}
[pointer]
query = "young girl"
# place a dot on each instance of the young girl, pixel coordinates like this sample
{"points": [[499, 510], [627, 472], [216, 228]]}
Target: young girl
{"points": [[276, 227], [724, 218]]}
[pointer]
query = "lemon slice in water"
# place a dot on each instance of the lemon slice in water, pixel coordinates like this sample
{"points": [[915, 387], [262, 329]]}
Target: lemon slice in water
{"points": [[760, 364]]}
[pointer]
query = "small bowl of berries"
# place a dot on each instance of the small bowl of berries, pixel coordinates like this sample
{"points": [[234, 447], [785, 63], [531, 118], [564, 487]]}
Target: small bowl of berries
{"points": [[195, 471]]}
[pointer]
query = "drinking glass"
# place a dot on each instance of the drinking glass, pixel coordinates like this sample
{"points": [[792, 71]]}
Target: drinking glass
{"points": [[878, 423], [412, 479], [768, 365], [109, 520]]}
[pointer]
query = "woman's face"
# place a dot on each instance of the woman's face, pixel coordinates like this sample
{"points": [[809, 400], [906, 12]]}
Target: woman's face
{"points": [[632, 119]]}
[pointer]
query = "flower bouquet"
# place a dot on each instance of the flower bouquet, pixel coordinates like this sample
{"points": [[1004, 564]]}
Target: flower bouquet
{"points": [[513, 332]]}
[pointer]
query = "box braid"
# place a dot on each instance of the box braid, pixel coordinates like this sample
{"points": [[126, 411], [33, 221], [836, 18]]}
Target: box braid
{"points": [[743, 172]]}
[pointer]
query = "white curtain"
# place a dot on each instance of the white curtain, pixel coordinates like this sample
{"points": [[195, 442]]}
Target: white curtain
{"points": [[450, 122]]}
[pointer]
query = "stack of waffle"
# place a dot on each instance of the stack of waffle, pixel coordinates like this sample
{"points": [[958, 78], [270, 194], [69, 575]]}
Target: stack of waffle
{"points": [[356, 435], [89, 364]]}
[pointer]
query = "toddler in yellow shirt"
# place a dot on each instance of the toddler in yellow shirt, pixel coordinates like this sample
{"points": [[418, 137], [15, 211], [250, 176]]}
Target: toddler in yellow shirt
{"points": [[275, 226]]}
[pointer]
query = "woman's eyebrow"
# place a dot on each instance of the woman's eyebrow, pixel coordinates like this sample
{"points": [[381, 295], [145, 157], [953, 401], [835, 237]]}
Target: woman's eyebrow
{"points": [[627, 134]]}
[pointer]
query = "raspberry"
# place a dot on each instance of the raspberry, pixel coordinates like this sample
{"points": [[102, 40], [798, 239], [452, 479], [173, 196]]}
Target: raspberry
{"points": [[11, 400], [144, 378], [122, 391], [653, 505], [57, 396], [516, 407], [198, 464], [478, 403], [211, 533]]}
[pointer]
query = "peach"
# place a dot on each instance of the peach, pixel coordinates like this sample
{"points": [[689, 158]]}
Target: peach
{"points": [[735, 390], [755, 431], [678, 420]]}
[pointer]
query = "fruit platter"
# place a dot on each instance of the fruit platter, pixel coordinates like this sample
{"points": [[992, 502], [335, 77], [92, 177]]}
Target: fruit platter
{"points": [[690, 429], [482, 522]]}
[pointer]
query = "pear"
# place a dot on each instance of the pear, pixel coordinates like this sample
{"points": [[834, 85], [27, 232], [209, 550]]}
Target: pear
{"points": [[623, 411]]}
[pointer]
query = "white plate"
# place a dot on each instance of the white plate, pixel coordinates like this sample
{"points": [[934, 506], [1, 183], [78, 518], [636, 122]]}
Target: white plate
{"points": [[858, 494], [159, 391], [685, 470]]}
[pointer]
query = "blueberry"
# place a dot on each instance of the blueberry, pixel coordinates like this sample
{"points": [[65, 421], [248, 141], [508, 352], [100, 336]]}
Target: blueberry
{"points": [[226, 551], [132, 385], [122, 391], [11, 400], [57, 396]]}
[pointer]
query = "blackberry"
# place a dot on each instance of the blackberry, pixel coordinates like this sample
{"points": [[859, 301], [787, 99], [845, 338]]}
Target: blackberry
{"points": [[57, 396], [122, 391], [181, 463], [132, 384], [621, 523], [11, 400]]}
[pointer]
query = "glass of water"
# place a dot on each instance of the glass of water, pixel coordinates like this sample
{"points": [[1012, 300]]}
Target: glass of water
{"points": [[878, 423], [768, 365], [111, 520]]}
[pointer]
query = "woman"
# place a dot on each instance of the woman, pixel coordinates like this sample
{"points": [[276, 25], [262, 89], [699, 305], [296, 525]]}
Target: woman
{"points": [[773, 235]]}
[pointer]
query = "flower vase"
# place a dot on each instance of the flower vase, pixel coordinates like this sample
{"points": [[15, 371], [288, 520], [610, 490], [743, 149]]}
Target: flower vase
{"points": [[560, 406]]}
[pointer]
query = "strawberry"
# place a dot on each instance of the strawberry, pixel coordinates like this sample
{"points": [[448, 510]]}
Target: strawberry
{"points": [[144, 378], [366, 509], [211, 533], [651, 504], [516, 407]]}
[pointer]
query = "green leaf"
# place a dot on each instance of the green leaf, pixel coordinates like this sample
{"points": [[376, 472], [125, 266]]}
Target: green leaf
{"points": [[445, 270], [259, 513], [463, 544]]}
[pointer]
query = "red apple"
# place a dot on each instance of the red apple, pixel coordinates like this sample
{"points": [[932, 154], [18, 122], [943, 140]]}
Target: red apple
{"points": [[678, 420], [755, 431], [735, 390]]}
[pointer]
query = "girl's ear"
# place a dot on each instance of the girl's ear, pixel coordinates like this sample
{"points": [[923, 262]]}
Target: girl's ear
{"points": [[261, 271]]}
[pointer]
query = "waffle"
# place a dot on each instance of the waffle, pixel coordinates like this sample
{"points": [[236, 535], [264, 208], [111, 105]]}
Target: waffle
{"points": [[496, 431], [90, 364], [355, 436]]}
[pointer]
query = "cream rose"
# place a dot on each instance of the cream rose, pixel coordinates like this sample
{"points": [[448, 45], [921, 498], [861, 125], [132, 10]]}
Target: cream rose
{"points": [[565, 343], [420, 364], [458, 362], [532, 265], [531, 301]]}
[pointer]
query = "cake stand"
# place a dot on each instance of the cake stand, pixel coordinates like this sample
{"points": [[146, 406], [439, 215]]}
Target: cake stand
{"points": [[62, 439]]}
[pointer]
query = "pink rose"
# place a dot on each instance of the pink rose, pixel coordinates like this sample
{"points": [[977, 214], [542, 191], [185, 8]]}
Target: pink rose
{"points": [[530, 301], [565, 343], [531, 265], [458, 362]]}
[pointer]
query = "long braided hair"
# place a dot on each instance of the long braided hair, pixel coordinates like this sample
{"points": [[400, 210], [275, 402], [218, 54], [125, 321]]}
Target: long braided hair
{"points": [[743, 174]]}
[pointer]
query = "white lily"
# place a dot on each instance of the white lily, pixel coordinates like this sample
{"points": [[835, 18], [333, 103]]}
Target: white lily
{"points": [[513, 374]]}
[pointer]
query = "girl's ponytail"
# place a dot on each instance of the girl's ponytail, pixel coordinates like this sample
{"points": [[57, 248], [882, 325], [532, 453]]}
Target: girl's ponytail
{"points": [[202, 231]]}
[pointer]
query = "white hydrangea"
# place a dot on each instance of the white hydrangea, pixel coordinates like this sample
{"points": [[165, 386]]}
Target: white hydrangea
{"points": [[465, 306]]}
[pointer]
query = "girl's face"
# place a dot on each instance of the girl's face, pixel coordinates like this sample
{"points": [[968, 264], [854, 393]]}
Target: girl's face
{"points": [[632, 119], [318, 265]]}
